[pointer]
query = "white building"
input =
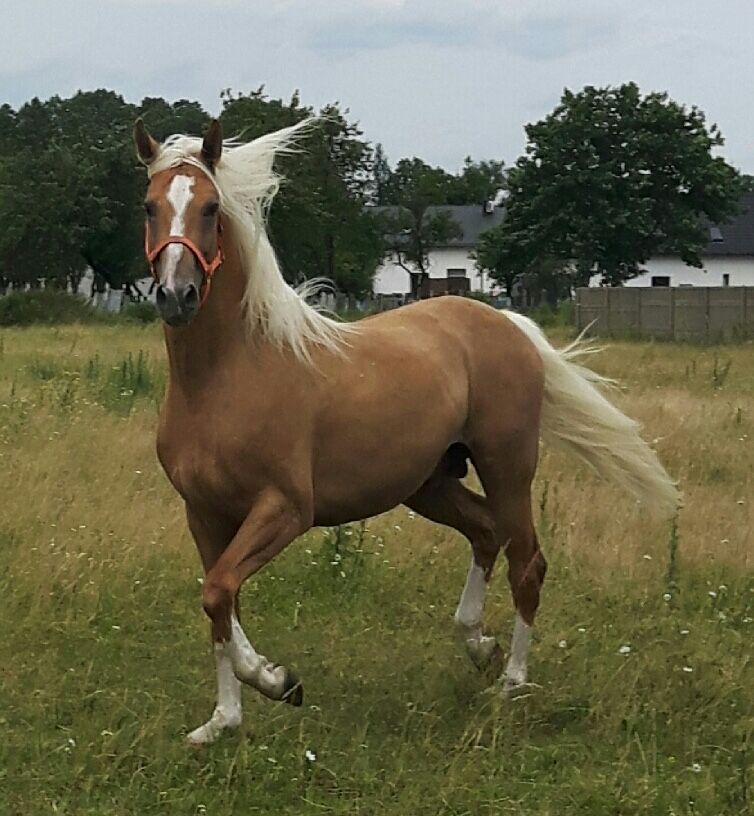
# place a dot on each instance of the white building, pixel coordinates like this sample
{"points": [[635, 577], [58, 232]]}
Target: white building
{"points": [[447, 262], [728, 257]]}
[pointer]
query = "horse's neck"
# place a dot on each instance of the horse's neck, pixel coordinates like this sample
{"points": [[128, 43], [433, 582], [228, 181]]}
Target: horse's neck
{"points": [[215, 337]]}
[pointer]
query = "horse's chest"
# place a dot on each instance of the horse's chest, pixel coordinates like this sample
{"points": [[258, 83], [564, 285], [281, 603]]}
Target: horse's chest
{"points": [[201, 474]]}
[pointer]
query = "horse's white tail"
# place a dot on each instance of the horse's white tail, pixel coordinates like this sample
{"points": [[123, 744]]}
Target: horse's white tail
{"points": [[576, 416]]}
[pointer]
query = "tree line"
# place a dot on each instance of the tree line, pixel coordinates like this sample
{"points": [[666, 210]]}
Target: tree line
{"points": [[607, 180], [71, 188]]}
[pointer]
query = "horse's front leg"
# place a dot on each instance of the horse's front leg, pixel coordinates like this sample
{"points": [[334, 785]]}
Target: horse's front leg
{"points": [[212, 537], [271, 525]]}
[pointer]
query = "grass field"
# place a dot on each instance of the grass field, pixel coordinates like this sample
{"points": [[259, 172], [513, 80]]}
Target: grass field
{"points": [[104, 653]]}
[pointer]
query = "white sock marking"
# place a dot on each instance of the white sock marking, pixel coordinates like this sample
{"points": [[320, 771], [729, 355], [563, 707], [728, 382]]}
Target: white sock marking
{"points": [[515, 672], [179, 195], [227, 713], [469, 612], [468, 616], [253, 668]]}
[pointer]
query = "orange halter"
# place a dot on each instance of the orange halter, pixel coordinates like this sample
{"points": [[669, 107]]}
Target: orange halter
{"points": [[208, 267]]}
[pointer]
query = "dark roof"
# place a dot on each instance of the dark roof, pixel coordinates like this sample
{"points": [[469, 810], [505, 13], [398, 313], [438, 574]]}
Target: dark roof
{"points": [[733, 238], [471, 218], [737, 235]]}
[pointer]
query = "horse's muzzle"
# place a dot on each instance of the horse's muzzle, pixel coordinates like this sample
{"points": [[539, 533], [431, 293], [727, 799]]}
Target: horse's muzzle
{"points": [[177, 305]]}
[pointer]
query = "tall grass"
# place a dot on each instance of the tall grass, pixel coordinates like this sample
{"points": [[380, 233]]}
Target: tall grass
{"points": [[642, 654]]}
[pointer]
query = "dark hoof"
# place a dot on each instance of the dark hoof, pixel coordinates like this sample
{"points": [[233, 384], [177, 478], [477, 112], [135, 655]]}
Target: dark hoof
{"points": [[492, 668], [294, 691]]}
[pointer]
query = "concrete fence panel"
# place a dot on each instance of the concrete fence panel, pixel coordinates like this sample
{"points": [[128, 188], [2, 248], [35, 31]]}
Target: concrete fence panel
{"points": [[727, 313], [656, 313], [591, 307], [697, 314], [690, 309], [624, 309]]}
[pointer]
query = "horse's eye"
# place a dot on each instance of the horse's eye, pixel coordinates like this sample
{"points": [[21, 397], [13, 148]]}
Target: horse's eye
{"points": [[149, 209], [211, 209]]}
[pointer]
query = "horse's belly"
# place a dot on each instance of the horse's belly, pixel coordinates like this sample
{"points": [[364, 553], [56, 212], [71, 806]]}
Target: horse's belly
{"points": [[367, 476]]}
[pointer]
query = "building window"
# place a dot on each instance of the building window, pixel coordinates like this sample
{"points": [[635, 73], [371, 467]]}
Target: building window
{"points": [[456, 273], [726, 279], [660, 280]]}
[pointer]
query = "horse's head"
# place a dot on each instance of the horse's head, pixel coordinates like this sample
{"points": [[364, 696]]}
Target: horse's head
{"points": [[183, 230]]}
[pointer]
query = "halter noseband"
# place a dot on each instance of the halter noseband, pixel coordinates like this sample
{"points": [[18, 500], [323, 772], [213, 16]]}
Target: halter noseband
{"points": [[208, 267]]}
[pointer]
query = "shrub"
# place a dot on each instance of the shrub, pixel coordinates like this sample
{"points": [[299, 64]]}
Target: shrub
{"points": [[47, 306], [481, 296], [142, 312], [547, 317]]}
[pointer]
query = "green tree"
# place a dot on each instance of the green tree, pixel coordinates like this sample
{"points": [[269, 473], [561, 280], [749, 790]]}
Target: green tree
{"points": [[413, 222], [70, 191], [318, 222], [165, 118], [48, 197], [608, 179], [477, 182], [492, 256], [381, 174]]}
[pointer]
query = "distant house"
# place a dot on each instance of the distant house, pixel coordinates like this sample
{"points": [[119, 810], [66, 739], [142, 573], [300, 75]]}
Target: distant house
{"points": [[451, 266], [728, 257]]}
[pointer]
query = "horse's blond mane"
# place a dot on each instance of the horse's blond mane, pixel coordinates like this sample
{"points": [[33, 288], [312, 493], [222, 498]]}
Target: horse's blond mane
{"points": [[246, 183]]}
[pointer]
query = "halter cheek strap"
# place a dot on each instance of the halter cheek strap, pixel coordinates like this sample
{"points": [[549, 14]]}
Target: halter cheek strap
{"points": [[208, 267]]}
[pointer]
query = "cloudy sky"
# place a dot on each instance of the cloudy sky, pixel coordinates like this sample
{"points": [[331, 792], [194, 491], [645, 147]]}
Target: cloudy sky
{"points": [[440, 79]]}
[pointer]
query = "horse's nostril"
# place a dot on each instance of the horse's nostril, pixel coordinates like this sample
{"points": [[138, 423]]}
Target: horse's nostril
{"points": [[191, 296], [161, 296]]}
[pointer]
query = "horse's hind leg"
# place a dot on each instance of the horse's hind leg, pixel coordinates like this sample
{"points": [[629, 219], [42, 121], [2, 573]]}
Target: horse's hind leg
{"points": [[445, 500], [507, 483], [526, 573]]}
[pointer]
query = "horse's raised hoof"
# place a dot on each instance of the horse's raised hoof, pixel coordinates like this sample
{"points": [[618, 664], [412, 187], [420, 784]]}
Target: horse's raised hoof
{"points": [[294, 691]]}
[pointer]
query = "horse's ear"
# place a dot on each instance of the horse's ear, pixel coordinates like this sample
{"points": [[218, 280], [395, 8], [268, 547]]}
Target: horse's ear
{"points": [[212, 146], [147, 148]]}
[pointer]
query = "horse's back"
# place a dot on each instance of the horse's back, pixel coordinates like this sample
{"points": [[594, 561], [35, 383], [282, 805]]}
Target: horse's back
{"points": [[493, 349]]}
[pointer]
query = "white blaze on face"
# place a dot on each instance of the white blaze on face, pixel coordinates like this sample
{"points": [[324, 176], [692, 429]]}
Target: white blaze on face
{"points": [[179, 197]]}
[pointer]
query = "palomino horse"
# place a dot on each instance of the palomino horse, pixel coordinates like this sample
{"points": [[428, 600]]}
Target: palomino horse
{"points": [[277, 418]]}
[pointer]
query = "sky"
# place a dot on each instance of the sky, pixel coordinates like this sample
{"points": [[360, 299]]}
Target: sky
{"points": [[439, 79]]}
